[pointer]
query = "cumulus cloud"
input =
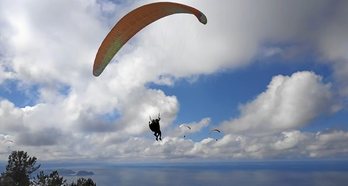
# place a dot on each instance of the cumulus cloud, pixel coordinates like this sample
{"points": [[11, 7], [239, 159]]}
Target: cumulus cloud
{"points": [[6, 142], [328, 143], [50, 47], [289, 140], [39, 137], [236, 31], [288, 103], [287, 144], [4, 74], [11, 117]]}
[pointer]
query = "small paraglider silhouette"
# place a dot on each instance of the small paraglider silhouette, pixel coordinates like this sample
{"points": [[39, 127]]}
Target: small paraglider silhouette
{"points": [[185, 126], [155, 127], [215, 130]]}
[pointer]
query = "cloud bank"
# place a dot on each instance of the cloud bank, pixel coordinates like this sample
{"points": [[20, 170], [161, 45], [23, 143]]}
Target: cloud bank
{"points": [[47, 50], [288, 103]]}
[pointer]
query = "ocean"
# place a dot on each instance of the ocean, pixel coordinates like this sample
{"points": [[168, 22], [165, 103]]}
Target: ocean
{"points": [[270, 173]]}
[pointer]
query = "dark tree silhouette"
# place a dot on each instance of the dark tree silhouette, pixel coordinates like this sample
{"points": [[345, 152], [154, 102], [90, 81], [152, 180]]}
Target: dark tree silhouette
{"points": [[84, 182], [6, 181], [49, 180], [19, 168]]}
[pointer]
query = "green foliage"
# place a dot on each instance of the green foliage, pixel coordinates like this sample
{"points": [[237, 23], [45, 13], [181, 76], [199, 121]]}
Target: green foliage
{"points": [[6, 181], [19, 168], [49, 180], [84, 182], [55, 180]]}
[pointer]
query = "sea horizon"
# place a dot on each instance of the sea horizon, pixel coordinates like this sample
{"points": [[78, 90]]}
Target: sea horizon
{"points": [[269, 172]]}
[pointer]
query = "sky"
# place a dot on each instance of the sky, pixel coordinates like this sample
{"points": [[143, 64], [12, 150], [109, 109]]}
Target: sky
{"points": [[271, 75]]}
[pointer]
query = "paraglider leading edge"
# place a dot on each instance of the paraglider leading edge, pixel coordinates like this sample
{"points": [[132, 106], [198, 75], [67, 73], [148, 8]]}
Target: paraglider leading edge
{"points": [[132, 23]]}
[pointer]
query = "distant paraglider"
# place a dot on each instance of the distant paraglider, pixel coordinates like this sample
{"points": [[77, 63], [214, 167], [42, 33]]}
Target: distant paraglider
{"points": [[155, 127], [186, 127], [132, 23], [215, 131]]}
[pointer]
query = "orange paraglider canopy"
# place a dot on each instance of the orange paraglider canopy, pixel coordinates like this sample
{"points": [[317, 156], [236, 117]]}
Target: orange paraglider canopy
{"points": [[132, 23]]}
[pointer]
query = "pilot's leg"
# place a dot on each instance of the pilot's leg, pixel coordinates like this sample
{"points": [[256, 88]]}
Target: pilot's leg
{"points": [[156, 134]]}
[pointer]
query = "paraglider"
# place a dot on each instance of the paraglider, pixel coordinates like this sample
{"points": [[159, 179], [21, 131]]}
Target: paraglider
{"points": [[132, 23], [155, 127], [215, 131], [186, 127]]}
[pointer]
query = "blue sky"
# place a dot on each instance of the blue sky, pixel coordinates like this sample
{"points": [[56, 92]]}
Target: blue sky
{"points": [[271, 75]]}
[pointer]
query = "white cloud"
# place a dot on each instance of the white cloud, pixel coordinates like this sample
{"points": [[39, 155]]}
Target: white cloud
{"points": [[4, 74], [52, 50], [288, 144], [236, 31], [50, 47], [6, 142], [288, 103], [329, 144], [11, 117], [289, 140]]}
